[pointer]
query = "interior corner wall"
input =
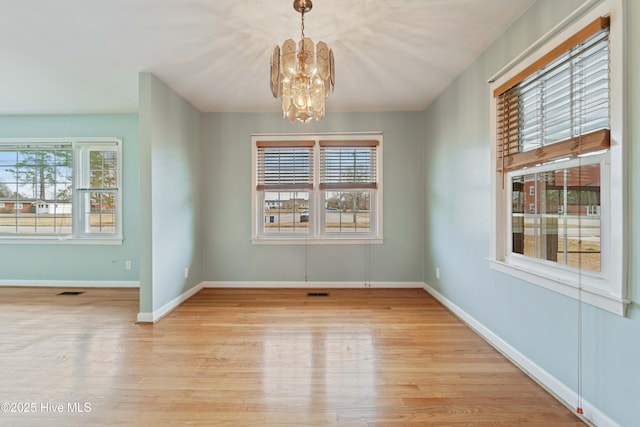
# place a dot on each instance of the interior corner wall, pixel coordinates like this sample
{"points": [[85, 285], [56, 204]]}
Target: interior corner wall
{"points": [[171, 190], [63, 263], [540, 324], [228, 252]]}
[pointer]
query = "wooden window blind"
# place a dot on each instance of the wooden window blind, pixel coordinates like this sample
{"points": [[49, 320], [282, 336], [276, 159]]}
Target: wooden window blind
{"points": [[559, 106], [348, 164], [284, 165]]}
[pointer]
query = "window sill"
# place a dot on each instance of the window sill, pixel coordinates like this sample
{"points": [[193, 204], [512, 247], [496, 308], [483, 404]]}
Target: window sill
{"points": [[566, 285], [60, 241], [325, 241]]}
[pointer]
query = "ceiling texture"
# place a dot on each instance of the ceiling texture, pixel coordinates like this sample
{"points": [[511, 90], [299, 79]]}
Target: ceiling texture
{"points": [[84, 56]]}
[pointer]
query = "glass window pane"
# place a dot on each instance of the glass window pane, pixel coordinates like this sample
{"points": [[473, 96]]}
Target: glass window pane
{"points": [[287, 165], [99, 212], [517, 213], [103, 169], [556, 216], [35, 191], [286, 212], [550, 197], [565, 98], [348, 211], [348, 165], [583, 212]]}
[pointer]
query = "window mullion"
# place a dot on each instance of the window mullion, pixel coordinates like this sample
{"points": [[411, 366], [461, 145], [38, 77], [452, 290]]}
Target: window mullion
{"points": [[565, 210], [318, 205]]}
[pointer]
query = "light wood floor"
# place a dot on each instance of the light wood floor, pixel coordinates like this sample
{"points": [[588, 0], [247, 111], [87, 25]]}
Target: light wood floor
{"points": [[257, 358]]}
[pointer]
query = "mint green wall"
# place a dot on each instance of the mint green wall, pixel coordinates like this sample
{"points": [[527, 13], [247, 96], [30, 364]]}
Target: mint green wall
{"points": [[171, 188], [228, 252], [539, 323], [66, 262], [187, 204]]}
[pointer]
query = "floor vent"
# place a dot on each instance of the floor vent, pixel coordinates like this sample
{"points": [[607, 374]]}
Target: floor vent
{"points": [[317, 294], [71, 293]]}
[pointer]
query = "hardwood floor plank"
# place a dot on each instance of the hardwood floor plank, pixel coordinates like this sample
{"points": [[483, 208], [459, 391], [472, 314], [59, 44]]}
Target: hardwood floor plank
{"points": [[258, 357]]}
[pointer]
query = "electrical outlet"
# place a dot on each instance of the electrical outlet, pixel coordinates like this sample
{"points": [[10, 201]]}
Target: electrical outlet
{"points": [[437, 273], [127, 265], [186, 273]]}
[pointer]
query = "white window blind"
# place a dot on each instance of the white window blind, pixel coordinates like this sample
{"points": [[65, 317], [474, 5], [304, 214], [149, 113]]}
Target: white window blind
{"points": [[284, 165], [559, 107], [348, 164]]}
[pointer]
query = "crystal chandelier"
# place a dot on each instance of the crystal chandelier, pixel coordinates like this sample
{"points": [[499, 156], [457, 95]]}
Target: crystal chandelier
{"points": [[302, 76]]}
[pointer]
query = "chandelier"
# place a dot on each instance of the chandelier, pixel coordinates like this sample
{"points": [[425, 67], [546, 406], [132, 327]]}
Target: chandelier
{"points": [[302, 75]]}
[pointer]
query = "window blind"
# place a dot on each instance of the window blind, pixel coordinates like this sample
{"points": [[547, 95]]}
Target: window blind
{"points": [[559, 107], [285, 165], [348, 164]]}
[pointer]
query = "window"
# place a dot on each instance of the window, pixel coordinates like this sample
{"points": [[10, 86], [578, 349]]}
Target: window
{"points": [[559, 169], [314, 189], [60, 189], [285, 179], [98, 189], [348, 184]]}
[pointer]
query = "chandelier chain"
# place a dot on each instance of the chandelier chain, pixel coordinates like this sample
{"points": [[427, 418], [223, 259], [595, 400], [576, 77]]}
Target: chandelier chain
{"points": [[302, 30]]}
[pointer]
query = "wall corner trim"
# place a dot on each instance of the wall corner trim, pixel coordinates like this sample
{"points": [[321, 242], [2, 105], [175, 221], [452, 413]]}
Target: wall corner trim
{"points": [[153, 317], [559, 390]]}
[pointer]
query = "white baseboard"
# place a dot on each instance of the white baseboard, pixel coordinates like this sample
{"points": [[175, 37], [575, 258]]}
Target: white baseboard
{"points": [[314, 285], [71, 283], [153, 317], [563, 393]]}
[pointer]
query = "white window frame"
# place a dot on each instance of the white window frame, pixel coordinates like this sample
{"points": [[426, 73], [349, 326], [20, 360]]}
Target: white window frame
{"points": [[80, 148], [607, 289], [316, 236]]}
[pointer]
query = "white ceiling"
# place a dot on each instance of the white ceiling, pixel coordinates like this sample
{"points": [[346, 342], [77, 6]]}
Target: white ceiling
{"points": [[84, 56]]}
